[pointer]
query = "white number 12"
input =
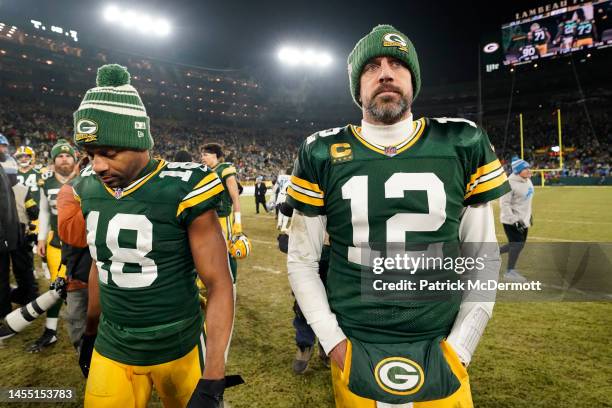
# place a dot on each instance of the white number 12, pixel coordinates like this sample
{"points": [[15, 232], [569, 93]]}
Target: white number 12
{"points": [[356, 190]]}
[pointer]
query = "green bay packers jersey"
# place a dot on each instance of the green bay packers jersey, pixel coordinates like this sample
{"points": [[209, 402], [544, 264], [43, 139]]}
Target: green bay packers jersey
{"points": [[584, 29], [411, 193], [540, 36], [50, 187], [225, 170], [138, 237], [568, 28], [30, 179]]}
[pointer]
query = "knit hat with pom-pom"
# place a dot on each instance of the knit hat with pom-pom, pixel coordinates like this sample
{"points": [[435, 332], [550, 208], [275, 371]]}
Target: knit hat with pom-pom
{"points": [[112, 114], [383, 40]]}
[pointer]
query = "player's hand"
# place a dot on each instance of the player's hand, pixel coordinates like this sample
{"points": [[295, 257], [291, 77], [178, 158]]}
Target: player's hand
{"points": [[85, 353], [237, 229], [60, 285], [519, 226], [209, 393], [338, 354], [283, 242], [41, 248]]}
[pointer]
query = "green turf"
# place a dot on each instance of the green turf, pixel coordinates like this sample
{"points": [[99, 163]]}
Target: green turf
{"points": [[532, 354]]}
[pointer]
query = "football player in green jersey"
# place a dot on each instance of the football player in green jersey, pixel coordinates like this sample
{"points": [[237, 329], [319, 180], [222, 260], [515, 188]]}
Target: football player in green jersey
{"points": [[49, 245], [391, 180], [152, 228], [212, 156], [27, 174]]}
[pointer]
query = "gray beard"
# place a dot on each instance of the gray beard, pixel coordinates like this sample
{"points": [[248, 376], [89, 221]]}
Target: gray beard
{"points": [[388, 113]]}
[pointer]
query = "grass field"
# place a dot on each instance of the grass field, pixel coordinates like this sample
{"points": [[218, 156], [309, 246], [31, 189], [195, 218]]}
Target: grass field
{"points": [[532, 354]]}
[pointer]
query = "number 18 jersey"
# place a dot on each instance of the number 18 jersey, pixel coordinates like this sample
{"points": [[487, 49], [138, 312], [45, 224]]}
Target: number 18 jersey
{"points": [[413, 192], [139, 241]]}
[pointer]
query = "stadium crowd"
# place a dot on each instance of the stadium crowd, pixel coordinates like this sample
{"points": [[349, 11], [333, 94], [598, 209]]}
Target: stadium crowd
{"points": [[260, 151], [586, 143], [254, 151]]}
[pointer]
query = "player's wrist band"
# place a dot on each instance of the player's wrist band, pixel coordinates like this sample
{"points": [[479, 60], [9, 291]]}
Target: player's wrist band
{"points": [[237, 218]]}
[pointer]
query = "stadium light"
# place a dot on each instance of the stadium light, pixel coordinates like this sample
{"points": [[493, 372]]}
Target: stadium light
{"points": [[136, 20], [294, 56], [111, 13]]}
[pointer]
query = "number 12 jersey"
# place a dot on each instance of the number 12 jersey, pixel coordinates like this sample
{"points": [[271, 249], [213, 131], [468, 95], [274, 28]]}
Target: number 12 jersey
{"points": [[413, 192]]}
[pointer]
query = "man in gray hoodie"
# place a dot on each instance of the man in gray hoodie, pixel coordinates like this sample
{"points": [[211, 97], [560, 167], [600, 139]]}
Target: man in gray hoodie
{"points": [[515, 215]]}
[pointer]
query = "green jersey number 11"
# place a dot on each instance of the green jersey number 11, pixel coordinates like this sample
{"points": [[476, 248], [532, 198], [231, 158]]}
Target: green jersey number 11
{"points": [[356, 190]]}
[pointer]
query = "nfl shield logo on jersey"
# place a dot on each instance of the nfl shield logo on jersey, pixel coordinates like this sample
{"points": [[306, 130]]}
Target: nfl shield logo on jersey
{"points": [[118, 193], [390, 151]]}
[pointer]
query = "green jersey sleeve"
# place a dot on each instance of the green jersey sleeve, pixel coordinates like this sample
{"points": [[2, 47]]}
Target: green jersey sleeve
{"points": [[304, 192], [487, 179], [199, 196], [228, 171]]}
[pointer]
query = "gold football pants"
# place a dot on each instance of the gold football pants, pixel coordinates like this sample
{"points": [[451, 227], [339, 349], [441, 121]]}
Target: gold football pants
{"points": [[54, 260], [116, 385]]}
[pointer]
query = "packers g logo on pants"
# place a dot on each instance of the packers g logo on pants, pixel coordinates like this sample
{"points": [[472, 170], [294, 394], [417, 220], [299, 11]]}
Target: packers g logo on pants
{"points": [[399, 376]]}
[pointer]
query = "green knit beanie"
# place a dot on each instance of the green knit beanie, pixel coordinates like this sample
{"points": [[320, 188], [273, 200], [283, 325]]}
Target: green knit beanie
{"points": [[62, 146], [112, 114], [383, 40]]}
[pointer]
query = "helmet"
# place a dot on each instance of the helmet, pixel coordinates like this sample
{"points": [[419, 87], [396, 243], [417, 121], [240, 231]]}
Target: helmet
{"points": [[240, 247], [25, 151], [3, 140]]}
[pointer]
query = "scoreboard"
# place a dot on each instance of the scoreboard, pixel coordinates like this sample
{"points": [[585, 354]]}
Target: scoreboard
{"points": [[55, 30], [557, 29]]}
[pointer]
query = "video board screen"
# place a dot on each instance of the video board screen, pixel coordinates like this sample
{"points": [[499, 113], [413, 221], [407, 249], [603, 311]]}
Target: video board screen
{"points": [[557, 31]]}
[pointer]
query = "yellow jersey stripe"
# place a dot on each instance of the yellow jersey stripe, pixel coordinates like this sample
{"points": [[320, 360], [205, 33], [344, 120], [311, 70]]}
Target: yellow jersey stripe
{"points": [[228, 171], [306, 184], [193, 201], [364, 142], [303, 198], [415, 138], [206, 180], [488, 185], [481, 171], [161, 165]]}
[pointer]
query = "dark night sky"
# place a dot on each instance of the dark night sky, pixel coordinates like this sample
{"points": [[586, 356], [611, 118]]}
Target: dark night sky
{"points": [[247, 34]]}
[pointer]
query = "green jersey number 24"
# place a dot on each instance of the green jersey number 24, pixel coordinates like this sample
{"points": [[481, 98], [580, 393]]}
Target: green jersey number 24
{"points": [[29, 181]]}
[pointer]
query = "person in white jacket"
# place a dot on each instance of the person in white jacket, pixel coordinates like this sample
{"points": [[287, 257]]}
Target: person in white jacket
{"points": [[515, 215]]}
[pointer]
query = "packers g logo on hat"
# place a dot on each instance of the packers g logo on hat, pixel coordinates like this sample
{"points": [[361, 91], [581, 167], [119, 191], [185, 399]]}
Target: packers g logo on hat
{"points": [[399, 376], [86, 130], [395, 40]]}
